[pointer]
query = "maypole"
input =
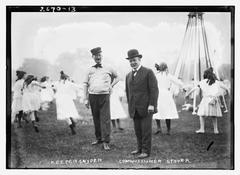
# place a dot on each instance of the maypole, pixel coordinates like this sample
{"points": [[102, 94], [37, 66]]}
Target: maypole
{"points": [[194, 55]]}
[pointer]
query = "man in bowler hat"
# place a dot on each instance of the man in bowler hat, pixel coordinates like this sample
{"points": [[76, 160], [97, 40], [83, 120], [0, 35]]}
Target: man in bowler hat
{"points": [[142, 95], [97, 89]]}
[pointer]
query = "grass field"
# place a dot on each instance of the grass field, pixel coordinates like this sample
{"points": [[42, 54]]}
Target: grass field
{"points": [[55, 147]]}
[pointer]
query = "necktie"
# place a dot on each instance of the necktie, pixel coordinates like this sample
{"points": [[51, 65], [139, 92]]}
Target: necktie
{"points": [[98, 65], [134, 72]]}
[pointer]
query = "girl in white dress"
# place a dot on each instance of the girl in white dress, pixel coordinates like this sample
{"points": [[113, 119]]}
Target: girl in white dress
{"points": [[66, 109], [116, 108], [209, 105], [31, 99], [46, 94], [221, 98], [36, 91], [166, 106], [17, 111]]}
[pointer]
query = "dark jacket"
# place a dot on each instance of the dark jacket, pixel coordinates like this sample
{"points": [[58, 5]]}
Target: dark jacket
{"points": [[142, 91]]}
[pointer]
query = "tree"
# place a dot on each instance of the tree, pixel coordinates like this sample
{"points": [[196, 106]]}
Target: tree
{"points": [[36, 67]]}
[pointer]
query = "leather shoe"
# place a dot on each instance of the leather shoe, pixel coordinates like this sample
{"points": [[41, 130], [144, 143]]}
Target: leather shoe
{"points": [[135, 152], [96, 142], [157, 132], [73, 122], [143, 155], [200, 131], [106, 146]]}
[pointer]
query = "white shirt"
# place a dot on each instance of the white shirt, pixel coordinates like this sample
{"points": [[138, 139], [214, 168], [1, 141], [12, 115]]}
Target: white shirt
{"points": [[99, 80], [135, 73]]}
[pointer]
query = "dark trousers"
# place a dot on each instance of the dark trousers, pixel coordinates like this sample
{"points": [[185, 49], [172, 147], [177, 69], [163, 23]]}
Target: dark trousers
{"points": [[143, 131], [100, 106]]}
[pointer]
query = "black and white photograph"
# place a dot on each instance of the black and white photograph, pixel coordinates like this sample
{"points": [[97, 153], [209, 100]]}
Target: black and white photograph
{"points": [[120, 87]]}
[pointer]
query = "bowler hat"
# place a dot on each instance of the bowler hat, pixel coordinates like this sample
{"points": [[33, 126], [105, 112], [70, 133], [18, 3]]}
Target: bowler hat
{"points": [[96, 50], [133, 53]]}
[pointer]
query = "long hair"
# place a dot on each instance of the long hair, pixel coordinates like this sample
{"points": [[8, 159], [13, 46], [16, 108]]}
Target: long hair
{"points": [[20, 75], [29, 79], [43, 79], [63, 76], [163, 67], [210, 76]]}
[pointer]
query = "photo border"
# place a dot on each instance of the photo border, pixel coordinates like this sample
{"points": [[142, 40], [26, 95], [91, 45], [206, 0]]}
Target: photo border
{"points": [[133, 8]]}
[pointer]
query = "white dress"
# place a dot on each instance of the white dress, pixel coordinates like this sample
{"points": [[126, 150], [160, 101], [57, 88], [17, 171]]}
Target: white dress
{"points": [[166, 105], [64, 100], [116, 108], [31, 97], [222, 91], [37, 93], [17, 96], [209, 105], [46, 93]]}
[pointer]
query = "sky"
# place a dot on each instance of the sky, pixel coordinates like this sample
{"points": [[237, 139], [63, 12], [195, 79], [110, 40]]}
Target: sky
{"points": [[157, 35]]}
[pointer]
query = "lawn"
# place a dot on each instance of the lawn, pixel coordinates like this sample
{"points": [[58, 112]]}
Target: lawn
{"points": [[55, 147]]}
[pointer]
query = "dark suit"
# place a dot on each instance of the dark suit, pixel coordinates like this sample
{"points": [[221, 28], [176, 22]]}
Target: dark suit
{"points": [[142, 91]]}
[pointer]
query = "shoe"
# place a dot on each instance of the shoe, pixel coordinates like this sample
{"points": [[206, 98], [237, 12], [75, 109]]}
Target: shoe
{"points": [[121, 129], [135, 152], [216, 132], [200, 132], [36, 129], [157, 132], [72, 129], [194, 113], [73, 122], [106, 146], [37, 119], [96, 142], [143, 155], [73, 132]]}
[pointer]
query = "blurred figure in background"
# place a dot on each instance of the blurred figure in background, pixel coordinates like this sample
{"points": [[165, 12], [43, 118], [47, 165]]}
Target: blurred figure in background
{"points": [[46, 94], [31, 100], [66, 109], [223, 93], [17, 111], [116, 108], [37, 90]]}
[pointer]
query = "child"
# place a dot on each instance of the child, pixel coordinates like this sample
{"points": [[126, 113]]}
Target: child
{"points": [[209, 105], [46, 94], [66, 109], [17, 111], [166, 106], [30, 99], [116, 108]]}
